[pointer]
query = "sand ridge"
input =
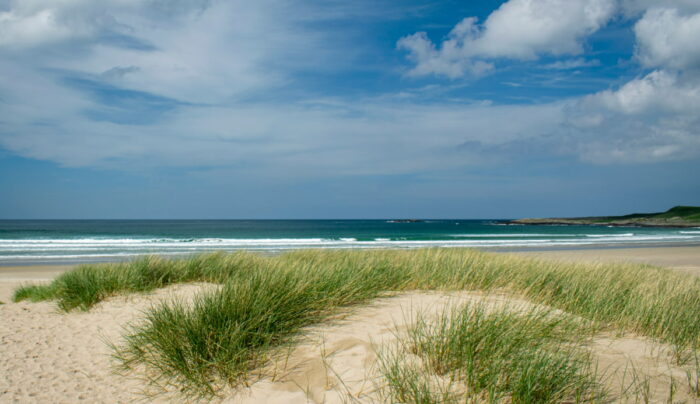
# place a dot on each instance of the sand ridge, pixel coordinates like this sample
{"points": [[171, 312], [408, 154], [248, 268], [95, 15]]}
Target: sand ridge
{"points": [[337, 362], [47, 356]]}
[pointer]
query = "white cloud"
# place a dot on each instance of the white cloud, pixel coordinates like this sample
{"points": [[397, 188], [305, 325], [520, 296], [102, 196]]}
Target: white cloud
{"points": [[82, 99], [36, 23], [448, 61], [523, 29], [197, 51], [572, 64], [653, 117], [657, 92], [519, 29], [210, 57], [667, 39], [28, 30], [314, 139], [634, 8]]}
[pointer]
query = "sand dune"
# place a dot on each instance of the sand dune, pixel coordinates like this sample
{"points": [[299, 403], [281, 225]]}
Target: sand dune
{"points": [[48, 356]]}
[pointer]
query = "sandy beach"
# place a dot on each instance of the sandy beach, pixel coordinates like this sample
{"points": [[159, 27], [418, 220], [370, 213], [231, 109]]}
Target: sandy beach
{"points": [[47, 356], [686, 259], [311, 202]]}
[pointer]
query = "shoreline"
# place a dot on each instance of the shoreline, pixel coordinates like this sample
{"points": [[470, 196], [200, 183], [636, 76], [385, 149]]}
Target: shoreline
{"points": [[675, 255], [41, 263]]}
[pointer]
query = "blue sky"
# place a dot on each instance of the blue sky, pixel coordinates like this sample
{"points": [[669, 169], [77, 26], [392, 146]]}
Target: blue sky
{"points": [[337, 109]]}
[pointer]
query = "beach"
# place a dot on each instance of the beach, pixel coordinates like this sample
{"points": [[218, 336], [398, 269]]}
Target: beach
{"points": [[49, 356], [685, 258], [313, 202]]}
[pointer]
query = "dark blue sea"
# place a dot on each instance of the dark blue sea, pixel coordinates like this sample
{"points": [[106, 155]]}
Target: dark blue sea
{"points": [[71, 241]]}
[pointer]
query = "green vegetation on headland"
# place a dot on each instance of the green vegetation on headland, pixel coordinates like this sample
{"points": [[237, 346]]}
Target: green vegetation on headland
{"points": [[679, 216], [264, 303]]}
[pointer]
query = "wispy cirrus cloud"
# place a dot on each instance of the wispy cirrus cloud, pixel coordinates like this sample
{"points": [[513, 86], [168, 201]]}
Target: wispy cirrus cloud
{"points": [[568, 64]]}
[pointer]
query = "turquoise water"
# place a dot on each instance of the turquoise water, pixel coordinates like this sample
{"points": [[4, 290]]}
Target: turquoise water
{"points": [[69, 241]]}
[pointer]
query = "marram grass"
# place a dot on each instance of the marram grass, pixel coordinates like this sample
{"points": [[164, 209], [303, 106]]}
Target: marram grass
{"points": [[480, 353], [265, 301], [89, 284]]}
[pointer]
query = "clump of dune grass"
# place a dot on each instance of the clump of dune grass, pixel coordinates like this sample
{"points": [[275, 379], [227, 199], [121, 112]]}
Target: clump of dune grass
{"points": [[216, 340], [409, 382], [496, 355], [693, 375], [87, 285], [224, 335], [34, 293]]}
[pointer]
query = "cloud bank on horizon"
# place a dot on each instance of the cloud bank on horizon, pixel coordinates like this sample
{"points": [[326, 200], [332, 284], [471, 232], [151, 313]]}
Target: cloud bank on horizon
{"points": [[321, 89]]}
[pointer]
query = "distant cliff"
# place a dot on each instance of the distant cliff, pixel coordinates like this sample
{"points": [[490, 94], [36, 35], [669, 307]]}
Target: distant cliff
{"points": [[679, 216]]}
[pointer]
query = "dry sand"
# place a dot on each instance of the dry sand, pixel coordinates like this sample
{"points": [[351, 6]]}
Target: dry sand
{"points": [[46, 356], [686, 259]]}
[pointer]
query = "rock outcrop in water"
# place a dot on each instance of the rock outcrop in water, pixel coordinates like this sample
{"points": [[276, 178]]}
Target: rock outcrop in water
{"points": [[405, 221]]}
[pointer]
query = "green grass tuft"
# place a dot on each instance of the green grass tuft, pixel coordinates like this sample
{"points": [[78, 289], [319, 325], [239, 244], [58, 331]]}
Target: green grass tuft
{"points": [[224, 335], [34, 293], [87, 285], [494, 355]]}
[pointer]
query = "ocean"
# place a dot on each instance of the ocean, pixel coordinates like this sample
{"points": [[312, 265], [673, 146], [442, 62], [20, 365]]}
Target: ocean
{"points": [[39, 242]]}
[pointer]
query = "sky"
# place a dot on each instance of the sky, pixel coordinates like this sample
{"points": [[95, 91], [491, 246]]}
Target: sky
{"points": [[347, 109]]}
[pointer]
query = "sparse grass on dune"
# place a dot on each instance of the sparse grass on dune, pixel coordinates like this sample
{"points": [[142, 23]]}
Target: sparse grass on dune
{"points": [[265, 301], [87, 285], [477, 353], [35, 293], [224, 335]]}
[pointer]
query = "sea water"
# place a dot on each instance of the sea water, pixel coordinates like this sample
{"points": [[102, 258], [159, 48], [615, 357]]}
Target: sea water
{"points": [[74, 241]]}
